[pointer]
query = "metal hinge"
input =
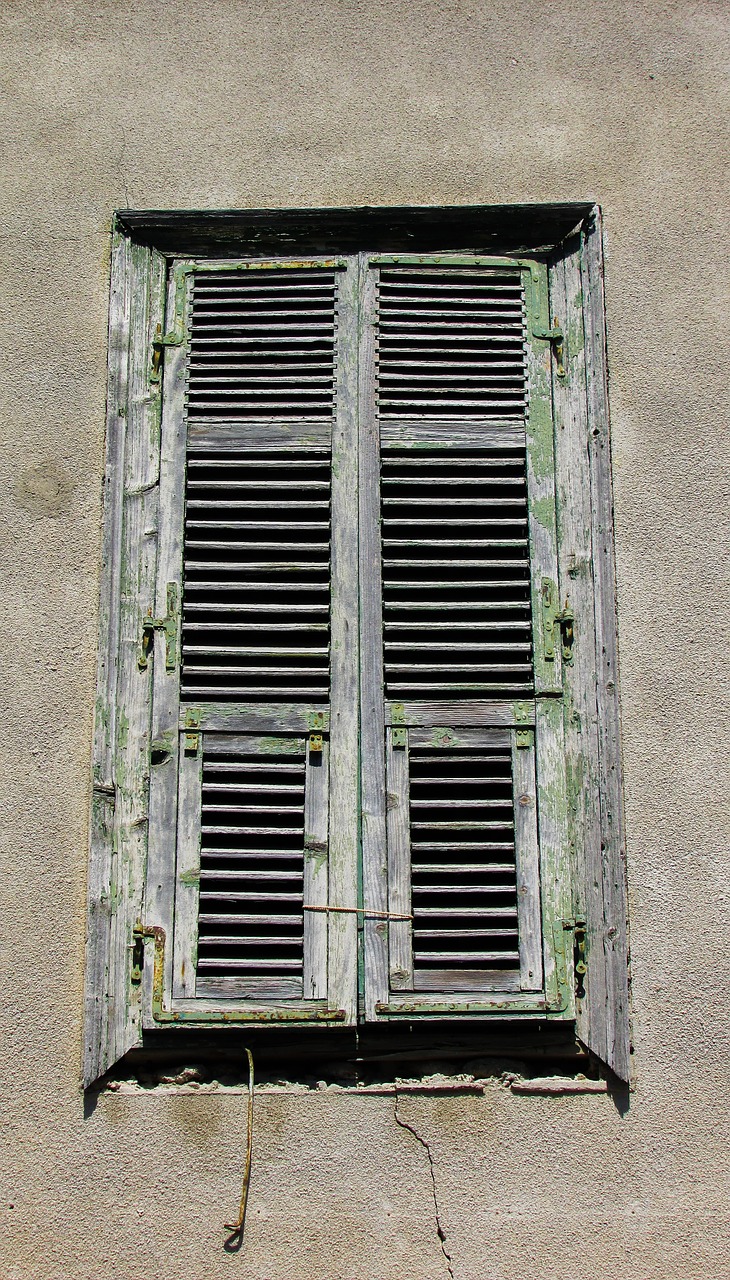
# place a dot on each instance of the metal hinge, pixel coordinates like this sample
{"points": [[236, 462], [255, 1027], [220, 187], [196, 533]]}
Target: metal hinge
{"points": [[167, 624], [579, 957], [317, 722], [175, 337], [554, 618], [398, 732], [556, 337], [191, 745]]}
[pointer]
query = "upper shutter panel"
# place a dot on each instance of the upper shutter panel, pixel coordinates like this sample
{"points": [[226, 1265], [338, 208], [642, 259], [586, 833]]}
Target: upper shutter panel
{"points": [[262, 345], [451, 343]]}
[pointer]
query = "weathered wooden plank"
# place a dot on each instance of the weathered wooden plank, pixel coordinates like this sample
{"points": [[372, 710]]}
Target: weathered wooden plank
{"points": [[241, 266], [239, 987], [400, 949], [284, 718], [139, 557], [467, 261], [344, 759], [96, 1055], [444, 737], [446, 434], [577, 588], [527, 858], [268, 745], [504, 229], [163, 787], [444, 711], [556, 887], [541, 482], [466, 980], [225, 436], [187, 872], [372, 731], [464, 1003], [615, 926], [316, 872]]}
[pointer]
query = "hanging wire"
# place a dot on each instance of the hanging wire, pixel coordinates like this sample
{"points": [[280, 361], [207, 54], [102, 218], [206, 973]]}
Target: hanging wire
{"points": [[237, 1227]]}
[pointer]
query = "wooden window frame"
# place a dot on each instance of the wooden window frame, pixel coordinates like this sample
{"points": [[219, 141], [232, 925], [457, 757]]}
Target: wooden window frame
{"points": [[594, 925]]}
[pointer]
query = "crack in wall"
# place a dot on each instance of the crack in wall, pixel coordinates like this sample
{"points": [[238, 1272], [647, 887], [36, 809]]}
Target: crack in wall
{"points": [[439, 1229]]}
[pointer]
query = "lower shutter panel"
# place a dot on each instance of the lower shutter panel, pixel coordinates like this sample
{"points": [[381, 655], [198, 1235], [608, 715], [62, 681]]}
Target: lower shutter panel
{"points": [[250, 934], [252, 868], [463, 875]]}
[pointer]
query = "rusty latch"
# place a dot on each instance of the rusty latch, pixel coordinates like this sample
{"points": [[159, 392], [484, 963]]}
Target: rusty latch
{"points": [[552, 618], [566, 621], [168, 625]]}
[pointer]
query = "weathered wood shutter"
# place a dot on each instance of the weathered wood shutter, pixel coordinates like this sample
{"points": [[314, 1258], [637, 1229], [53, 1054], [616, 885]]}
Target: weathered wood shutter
{"points": [[254, 725], [232, 522], [463, 764]]}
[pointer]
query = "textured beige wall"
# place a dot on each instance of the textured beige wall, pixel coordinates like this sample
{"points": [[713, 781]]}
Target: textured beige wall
{"points": [[279, 102]]}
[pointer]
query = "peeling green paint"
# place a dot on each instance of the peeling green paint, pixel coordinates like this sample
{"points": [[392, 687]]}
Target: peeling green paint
{"points": [[271, 746], [543, 510], [316, 853]]}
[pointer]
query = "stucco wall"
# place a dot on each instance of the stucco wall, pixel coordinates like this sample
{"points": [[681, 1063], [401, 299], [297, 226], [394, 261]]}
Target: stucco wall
{"points": [[281, 102]]}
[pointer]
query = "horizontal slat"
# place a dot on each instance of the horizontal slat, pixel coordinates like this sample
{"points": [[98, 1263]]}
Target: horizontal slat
{"points": [[463, 868]]}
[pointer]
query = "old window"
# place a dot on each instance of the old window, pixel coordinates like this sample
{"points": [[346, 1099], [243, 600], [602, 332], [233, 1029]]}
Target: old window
{"points": [[356, 752]]}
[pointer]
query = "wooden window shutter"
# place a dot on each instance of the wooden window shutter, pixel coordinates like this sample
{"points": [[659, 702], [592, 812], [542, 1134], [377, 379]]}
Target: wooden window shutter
{"points": [[351, 508], [253, 720], [463, 763]]}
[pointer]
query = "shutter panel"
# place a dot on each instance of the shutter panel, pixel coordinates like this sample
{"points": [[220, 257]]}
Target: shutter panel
{"points": [[255, 463], [458, 499]]}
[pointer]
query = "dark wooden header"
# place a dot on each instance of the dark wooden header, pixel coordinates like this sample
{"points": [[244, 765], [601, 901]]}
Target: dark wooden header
{"points": [[503, 229]]}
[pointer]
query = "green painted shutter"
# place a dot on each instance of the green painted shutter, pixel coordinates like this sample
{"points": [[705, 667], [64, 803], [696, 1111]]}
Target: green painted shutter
{"points": [[252, 722], [463, 775]]}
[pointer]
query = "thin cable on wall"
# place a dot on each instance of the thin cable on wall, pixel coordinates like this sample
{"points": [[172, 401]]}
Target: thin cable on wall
{"points": [[238, 1226]]}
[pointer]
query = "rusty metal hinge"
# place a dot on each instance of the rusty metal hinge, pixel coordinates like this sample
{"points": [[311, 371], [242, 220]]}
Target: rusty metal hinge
{"points": [[555, 619], [167, 624], [175, 337], [556, 337], [191, 745]]}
